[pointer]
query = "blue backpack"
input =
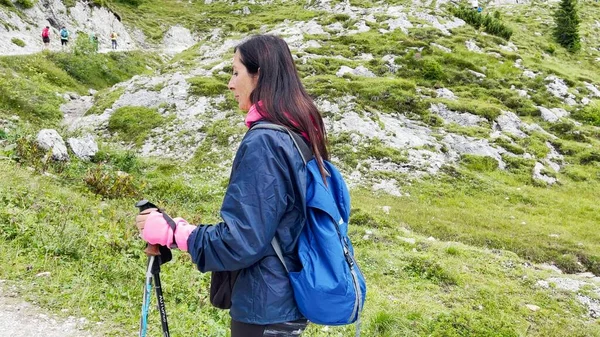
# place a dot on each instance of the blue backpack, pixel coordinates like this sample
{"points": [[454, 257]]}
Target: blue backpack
{"points": [[330, 289]]}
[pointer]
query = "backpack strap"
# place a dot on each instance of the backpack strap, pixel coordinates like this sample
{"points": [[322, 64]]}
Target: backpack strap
{"points": [[303, 148], [307, 155]]}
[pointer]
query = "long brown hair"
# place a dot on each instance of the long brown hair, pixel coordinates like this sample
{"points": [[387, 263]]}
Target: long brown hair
{"points": [[284, 100]]}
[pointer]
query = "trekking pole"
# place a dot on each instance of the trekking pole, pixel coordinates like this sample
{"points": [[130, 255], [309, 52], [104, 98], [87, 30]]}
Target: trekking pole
{"points": [[157, 255]]}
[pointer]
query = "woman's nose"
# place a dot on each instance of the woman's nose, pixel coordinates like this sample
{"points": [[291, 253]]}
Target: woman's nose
{"points": [[230, 84]]}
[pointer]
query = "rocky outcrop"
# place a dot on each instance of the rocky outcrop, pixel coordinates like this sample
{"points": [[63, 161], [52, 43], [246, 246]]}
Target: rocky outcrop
{"points": [[79, 19]]}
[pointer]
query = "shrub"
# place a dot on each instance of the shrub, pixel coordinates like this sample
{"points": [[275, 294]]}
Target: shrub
{"points": [[479, 163], [360, 218], [18, 42], [7, 3], [433, 70], [589, 157], [134, 3], [133, 123], [25, 3], [29, 153], [589, 114], [206, 86], [492, 25], [566, 31], [111, 184], [430, 270]]}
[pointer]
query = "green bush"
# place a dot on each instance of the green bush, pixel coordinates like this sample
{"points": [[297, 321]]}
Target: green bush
{"points": [[133, 123], [479, 163], [432, 70], [589, 114], [430, 270], [111, 184], [359, 217], [206, 86], [17, 42], [134, 3], [7, 3], [491, 24], [25, 3]]}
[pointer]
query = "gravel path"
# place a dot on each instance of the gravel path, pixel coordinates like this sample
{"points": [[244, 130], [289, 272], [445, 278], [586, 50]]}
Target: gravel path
{"points": [[21, 319]]}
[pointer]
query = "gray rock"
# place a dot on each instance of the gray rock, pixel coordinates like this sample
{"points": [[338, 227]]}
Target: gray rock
{"points": [[442, 48], [84, 148], [400, 22], [50, 139], [472, 46], [460, 118], [476, 74], [548, 115], [359, 71], [510, 123], [593, 89], [468, 145], [529, 74], [178, 39], [445, 93], [537, 174]]}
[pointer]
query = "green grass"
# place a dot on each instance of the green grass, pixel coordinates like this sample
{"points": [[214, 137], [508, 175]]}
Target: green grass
{"points": [[104, 99], [207, 86], [29, 84], [430, 288], [17, 42], [133, 123]]}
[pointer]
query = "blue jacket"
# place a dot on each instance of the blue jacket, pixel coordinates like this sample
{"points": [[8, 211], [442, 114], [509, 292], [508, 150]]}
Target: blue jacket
{"points": [[265, 197]]}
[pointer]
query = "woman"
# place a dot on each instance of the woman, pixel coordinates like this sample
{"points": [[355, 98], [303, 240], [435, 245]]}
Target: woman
{"points": [[265, 196]]}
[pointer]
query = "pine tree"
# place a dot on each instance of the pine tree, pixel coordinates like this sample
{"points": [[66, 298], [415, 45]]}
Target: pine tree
{"points": [[567, 21]]}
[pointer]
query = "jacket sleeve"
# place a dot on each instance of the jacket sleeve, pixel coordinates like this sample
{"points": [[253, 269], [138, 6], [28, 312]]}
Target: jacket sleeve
{"points": [[255, 201]]}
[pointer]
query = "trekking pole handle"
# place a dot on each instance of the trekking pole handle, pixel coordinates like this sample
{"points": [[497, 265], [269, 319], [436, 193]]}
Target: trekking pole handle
{"points": [[142, 205]]}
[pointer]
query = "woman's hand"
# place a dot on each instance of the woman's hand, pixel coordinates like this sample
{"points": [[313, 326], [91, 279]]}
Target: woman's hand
{"points": [[155, 230]]}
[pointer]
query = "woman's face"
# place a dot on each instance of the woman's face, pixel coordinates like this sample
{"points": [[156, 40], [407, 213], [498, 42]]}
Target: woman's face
{"points": [[242, 83]]}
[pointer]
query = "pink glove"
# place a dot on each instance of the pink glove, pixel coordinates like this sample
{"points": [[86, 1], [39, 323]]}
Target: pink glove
{"points": [[158, 232]]}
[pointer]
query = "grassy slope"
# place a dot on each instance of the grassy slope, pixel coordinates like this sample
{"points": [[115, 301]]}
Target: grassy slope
{"points": [[431, 288], [29, 84]]}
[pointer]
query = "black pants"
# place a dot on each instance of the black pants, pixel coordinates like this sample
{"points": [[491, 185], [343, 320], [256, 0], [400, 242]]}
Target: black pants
{"points": [[287, 329]]}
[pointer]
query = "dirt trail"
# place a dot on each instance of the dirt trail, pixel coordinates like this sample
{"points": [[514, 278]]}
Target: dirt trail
{"points": [[21, 319]]}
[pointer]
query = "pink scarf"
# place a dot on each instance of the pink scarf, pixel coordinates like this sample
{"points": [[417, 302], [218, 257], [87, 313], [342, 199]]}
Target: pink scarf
{"points": [[254, 116]]}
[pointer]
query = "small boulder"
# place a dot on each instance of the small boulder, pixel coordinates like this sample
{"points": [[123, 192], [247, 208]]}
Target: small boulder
{"points": [[84, 148], [50, 139]]}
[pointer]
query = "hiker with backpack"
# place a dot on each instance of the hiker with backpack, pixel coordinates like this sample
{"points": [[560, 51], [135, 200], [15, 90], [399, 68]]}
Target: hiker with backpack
{"points": [[64, 37], [113, 39], [46, 37], [281, 192]]}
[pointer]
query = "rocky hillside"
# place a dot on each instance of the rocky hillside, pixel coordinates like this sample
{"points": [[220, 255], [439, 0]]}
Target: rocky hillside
{"points": [[471, 143], [407, 88], [20, 28]]}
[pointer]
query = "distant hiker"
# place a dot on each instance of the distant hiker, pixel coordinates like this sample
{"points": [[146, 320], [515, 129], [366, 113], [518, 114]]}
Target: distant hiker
{"points": [[94, 40], [113, 38], [64, 36], [46, 36]]}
